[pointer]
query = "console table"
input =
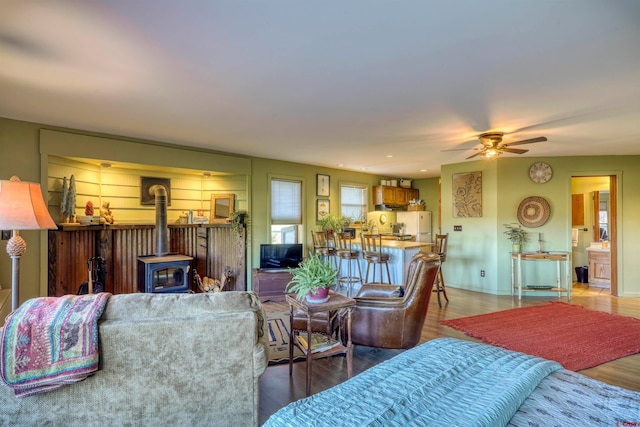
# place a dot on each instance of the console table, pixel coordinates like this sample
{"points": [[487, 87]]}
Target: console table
{"points": [[270, 285], [558, 257]]}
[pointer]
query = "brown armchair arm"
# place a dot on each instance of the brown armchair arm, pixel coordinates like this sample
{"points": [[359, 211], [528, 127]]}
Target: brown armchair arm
{"points": [[379, 290]]}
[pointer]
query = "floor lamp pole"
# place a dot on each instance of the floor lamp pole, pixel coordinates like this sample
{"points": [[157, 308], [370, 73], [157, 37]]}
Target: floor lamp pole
{"points": [[16, 247]]}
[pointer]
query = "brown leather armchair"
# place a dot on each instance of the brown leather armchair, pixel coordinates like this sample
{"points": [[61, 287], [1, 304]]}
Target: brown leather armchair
{"points": [[392, 316]]}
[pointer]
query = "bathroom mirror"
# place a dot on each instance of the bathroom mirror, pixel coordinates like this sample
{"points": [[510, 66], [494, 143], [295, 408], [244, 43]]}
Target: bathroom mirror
{"points": [[600, 216], [221, 207]]}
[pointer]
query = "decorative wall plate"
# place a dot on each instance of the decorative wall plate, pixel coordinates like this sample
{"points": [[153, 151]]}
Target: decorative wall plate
{"points": [[534, 211], [540, 172]]}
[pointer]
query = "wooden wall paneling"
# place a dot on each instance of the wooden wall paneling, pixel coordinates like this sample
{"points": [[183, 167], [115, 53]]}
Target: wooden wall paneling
{"points": [[184, 241], [212, 247], [201, 250], [128, 245], [226, 249], [68, 255]]}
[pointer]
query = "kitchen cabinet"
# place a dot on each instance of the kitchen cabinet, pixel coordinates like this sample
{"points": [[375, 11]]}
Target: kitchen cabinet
{"points": [[393, 196], [577, 209], [599, 268]]}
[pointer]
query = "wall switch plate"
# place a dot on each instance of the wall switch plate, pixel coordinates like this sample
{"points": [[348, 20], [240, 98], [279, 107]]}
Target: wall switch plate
{"points": [[457, 228], [481, 273]]}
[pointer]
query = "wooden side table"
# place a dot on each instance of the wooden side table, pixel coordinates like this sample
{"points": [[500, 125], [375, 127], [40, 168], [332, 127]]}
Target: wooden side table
{"points": [[338, 303], [516, 272]]}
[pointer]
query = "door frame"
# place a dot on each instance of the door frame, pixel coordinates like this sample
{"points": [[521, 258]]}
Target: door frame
{"points": [[614, 208]]}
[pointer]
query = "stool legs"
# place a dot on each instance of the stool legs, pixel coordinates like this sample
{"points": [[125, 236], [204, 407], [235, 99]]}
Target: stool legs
{"points": [[349, 279], [381, 275], [439, 286]]}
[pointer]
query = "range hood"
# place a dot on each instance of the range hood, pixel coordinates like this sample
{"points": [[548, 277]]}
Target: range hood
{"points": [[391, 208]]}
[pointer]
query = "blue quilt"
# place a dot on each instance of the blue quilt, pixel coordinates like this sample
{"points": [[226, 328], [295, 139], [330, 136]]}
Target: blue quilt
{"points": [[444, 382]]}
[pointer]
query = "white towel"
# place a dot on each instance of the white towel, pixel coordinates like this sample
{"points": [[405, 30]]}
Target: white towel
{"points": [[574, 237]]}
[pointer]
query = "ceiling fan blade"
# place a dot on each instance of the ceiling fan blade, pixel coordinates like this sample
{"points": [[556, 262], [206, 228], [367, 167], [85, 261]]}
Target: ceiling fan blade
{"points": [[457, 149], [526, 141], [513, 150], [474, 155]]}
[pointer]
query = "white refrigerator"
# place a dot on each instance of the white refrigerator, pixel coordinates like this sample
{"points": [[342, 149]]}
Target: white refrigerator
{"points": [[416, 222]]}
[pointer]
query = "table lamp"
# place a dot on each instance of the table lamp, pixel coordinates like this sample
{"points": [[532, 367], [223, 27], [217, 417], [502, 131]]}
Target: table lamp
{"points": [[22, 207]]}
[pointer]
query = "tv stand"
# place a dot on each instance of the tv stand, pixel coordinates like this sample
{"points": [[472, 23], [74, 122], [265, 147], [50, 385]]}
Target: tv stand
{"points": [[270, 284]]}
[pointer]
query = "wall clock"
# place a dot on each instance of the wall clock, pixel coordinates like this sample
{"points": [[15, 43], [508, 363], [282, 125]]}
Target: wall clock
{"points": [[540, 172]]}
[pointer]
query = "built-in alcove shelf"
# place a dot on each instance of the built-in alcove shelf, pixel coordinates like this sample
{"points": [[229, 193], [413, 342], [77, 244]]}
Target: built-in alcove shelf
{"points": [[212, 246]]}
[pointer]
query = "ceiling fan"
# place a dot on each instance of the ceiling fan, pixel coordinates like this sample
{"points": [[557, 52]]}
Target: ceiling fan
{"points": [[493, 145]]}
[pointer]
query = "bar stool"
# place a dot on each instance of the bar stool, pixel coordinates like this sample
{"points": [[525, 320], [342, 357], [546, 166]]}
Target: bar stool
{"points": [[441, 251], [372, 253], [345, 253], [324, 246]]}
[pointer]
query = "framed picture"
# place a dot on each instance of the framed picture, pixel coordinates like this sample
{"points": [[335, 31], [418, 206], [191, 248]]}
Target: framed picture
{"points": [[322, 185], [222, 205], [322, 208], [467, 195], [147, 198]]}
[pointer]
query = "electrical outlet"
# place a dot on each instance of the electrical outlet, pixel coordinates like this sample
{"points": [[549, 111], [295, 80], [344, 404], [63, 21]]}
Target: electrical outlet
{"points": [[457, 228], [481, 273], [6, 234]]}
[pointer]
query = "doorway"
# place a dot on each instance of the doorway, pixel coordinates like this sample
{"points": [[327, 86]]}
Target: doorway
{"points": [[595, 228]]}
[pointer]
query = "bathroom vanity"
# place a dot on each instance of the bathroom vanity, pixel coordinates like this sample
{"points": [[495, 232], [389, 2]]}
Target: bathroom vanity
{"points": [[599, 265]]}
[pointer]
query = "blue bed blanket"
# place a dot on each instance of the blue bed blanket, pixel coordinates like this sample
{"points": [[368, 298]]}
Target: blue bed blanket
{"points": [[444, 382]]}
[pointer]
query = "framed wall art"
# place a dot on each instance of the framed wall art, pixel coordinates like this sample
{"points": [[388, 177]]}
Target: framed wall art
{"points": [[147, 198], [221, 207], [467, 194], [322, 185], [322, 208]]}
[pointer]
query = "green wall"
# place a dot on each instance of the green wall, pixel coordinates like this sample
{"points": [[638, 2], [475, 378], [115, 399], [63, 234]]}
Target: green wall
{"points": [[505, 181]]}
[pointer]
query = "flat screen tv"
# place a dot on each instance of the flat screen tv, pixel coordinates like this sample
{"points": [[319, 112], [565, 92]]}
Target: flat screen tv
{"points": [[280, 256]]}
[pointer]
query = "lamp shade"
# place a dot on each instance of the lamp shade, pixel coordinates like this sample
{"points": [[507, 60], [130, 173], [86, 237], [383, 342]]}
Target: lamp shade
{"points": [[22, 206]]}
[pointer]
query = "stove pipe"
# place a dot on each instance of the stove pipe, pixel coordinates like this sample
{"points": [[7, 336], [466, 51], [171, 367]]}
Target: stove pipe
{"points": [[162, 230]]}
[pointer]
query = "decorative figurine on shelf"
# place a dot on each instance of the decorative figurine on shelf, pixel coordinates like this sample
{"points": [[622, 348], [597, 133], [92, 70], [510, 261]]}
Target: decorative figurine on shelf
{"points": [[68, 200], [88, 208], [105, 212]]}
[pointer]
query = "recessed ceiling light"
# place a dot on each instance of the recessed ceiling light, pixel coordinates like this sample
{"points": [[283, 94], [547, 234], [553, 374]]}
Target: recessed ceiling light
{"points": [[389, 156], [423, 170], [340, 165]]}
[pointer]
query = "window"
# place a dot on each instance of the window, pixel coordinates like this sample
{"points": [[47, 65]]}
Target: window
{"points": [[353, 201], [286, 210]]}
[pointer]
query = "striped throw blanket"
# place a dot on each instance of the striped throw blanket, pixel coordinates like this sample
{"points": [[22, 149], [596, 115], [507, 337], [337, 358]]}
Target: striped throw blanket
{"points": [[49, 342]]}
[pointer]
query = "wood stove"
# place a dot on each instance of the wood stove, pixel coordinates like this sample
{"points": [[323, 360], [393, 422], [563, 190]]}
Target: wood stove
{"points": [[160, 274], [163, 272]]}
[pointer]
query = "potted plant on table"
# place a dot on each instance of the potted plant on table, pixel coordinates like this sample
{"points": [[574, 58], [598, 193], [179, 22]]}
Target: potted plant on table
{"points": [[312, 279], [517, 235]]}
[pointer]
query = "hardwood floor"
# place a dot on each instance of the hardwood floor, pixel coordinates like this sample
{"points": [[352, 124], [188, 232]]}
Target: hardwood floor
{"points": [[277, 388]]}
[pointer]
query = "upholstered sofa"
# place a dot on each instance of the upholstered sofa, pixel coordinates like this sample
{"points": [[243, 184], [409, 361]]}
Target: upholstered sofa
{"points": [[165, 360]]}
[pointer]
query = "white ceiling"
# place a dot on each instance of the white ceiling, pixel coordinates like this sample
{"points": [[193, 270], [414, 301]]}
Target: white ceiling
{"points": [[331, 82]]}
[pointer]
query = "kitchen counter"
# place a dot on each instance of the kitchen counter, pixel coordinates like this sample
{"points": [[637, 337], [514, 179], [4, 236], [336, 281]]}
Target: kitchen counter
{"points": [[400, 253], [598, 249]]}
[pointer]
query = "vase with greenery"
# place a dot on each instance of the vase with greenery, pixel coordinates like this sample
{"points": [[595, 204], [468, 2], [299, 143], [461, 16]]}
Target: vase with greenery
{"points": [[517, 235], [312, 279]]}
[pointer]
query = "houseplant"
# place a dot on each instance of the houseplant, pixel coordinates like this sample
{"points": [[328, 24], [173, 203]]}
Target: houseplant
{"points": [[333, 223], [312, 279], [239, 219], [517, 235]]}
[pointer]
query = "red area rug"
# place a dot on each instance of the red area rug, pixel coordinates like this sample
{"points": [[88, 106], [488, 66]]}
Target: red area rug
{"points": [[576, 337]]}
